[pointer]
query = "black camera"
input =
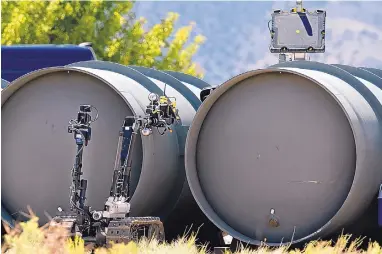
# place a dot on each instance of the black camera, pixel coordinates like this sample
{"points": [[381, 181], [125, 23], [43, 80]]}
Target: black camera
{"points": [[81, 126], [129, 121], [83, 117], [205, 92]]}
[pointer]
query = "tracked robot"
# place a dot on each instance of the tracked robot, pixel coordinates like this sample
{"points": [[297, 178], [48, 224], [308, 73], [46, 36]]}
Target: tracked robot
{"points": [[113, 224]]}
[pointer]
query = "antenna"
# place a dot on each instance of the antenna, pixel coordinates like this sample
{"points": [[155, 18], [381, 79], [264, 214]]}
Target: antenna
{"points": [[164, 90]]}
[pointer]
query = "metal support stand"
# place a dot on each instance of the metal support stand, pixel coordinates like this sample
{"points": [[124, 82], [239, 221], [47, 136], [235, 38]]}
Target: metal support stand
{"points": [[299, 56], [299, 5], [282, 58]]}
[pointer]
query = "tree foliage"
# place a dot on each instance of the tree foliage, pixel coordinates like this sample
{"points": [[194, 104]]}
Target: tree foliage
{"points": [[117, 35]]}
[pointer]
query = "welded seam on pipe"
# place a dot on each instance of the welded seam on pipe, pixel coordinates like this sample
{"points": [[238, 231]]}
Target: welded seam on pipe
{"points": [[362, 74], [368, 70], [341, 74], [20, 82], [377, 72], [121, 69], [189, 79]]}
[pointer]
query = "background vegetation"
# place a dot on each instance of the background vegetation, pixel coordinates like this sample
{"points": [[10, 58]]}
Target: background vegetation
{"points": [[29, 238], [117, 35]]}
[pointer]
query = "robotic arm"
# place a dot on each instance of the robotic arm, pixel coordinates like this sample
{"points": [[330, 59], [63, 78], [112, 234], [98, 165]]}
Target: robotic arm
{"points": [[105, 226], [161, 113], [82, 135]]}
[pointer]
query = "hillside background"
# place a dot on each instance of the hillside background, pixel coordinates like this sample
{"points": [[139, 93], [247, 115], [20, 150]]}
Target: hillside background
{"points": [[238, 37]]}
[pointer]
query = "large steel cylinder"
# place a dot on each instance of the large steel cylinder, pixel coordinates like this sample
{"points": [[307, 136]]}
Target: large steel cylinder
{"points": [[38, 153], [288, 153], [186, 213]]}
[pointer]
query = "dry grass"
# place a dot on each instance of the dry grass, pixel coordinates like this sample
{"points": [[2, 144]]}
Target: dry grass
{"points": [[29, 238]]}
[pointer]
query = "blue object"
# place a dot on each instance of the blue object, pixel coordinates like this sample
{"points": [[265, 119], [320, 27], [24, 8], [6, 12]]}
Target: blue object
{"points": [[18, 60], [5, 216], [380, 206], [127, 134]]}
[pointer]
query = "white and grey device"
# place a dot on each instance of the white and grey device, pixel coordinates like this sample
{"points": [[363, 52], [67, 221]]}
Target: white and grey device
{"points": [[298, 31]]}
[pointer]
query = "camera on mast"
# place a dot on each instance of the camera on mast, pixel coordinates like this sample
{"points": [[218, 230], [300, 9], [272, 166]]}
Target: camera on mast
{"points": [[297, 31]]}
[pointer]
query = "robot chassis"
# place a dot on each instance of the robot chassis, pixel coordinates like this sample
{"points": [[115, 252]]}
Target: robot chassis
{"points": [[114, 224]]}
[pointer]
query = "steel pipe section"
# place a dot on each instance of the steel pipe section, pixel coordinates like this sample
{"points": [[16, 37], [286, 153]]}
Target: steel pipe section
{"points": [[288, 153], [186, 213], [195, 84], [36, 109], [175, 86]]}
